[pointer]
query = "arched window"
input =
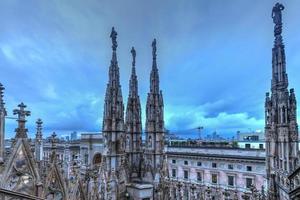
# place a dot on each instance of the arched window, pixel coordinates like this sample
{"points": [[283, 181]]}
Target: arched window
{"points": [[97, 159]]}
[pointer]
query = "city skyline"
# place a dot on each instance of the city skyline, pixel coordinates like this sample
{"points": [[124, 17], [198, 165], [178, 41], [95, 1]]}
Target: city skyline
{"points": [[60, 72]]}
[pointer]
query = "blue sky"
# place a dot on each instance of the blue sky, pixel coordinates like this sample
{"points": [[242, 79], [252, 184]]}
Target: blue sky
{"points": [[214, 59]]}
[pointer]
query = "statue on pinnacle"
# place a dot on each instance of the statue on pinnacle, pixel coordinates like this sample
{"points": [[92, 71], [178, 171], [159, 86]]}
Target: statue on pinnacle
{"points": [[277, 18], [154, 49], [113, 37], [133, 56]]}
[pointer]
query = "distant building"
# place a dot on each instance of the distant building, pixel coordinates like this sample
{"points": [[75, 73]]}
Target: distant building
{"points": [[221, 168], [250, 136], [74, 135]]}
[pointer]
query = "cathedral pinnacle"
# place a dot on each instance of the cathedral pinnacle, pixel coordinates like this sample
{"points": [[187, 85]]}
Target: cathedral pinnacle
{"points": [[154, 49], [113, 37], [21, 131], [133, 53], [154, 77]]}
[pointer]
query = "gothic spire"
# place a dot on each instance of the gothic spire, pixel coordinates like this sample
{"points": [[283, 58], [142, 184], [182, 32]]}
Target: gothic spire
{"points": [[133, 83], [154, 79], [113, 122], [21, 131], [279, 77], [133, 122], [113, 98]]}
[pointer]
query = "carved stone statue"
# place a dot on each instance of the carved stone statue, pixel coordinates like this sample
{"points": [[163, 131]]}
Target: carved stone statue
{"points": [[277, 18], [154, 49], [113, 37], [133, 53], [276, 13]]}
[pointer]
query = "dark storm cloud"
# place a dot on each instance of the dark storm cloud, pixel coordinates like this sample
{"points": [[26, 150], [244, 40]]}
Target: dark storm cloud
{"points": [[214, 59]]}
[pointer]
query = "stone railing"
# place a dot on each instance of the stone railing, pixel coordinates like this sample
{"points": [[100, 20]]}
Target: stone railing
{"points": [[7, 194], [186, 190]]}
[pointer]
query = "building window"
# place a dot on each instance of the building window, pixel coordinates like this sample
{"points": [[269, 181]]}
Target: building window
{"points": [[86, 158], [230, 180], [230, 166], [261, 146], [249, 182], [248, 146], [173, 173], [173, 161], [249, 168], [199, 176], [199, 164], [186, 162], [214, 165], [186, 174], [214, 179]]}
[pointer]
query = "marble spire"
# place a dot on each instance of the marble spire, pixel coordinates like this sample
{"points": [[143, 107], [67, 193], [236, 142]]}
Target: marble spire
{"points": [[281, 129], [133, 122], [279, 75], [154, 128], [113, 128]]}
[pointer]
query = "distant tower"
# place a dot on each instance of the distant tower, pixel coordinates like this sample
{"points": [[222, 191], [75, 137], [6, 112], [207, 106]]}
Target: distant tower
{"points": [[133, 123], [281, 129], [2, 124], [39, 141], [154, 124], [113, 129]]}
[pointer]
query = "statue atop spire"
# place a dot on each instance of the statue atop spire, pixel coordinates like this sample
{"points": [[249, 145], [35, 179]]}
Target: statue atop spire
{"points": [[22, 114], [133, 53], [113, 37], [277, 18], [154, 49]]}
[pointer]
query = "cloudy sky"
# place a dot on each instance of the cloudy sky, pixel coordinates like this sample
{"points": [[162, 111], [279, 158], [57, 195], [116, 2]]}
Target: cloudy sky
{"points": [[214, 59]]}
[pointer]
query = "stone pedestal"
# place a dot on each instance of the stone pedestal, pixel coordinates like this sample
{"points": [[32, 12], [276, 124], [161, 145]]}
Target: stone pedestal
{"points": [[140, 191]]}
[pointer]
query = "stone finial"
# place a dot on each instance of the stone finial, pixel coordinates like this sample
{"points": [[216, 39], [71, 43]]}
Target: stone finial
{"points": [[277, 18], [21, 131], [113, 36], [133, 53], [53, 147], [154, 49], [21, 112]]}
